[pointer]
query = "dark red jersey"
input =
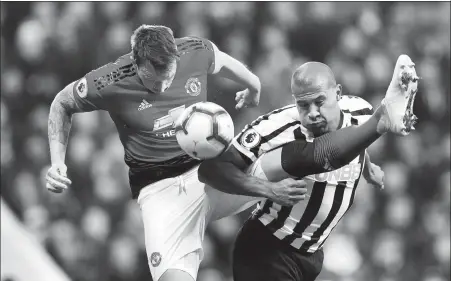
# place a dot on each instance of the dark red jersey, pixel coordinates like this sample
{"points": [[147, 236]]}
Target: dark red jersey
{"points": [[143, 119]]}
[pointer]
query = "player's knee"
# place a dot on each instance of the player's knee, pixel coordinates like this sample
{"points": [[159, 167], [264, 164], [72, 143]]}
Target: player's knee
{"points": [[176, 275]]}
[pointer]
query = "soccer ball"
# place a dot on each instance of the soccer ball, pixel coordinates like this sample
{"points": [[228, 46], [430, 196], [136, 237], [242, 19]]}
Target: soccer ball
{"points": [[204, 130]]}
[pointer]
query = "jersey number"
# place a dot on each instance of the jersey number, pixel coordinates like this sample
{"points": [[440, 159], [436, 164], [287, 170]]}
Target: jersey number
{"points": [[168, 120]]}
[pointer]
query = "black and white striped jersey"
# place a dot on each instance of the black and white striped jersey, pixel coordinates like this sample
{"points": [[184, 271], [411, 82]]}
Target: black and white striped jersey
{"points": [[307, 224]]}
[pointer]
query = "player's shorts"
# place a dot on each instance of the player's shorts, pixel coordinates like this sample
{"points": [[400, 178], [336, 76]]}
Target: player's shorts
{"points": [[175, 212], [260, 256]]}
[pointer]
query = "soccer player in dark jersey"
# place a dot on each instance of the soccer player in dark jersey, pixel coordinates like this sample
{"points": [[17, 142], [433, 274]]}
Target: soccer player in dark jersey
{"points": [[283, 239], [144, 92]]}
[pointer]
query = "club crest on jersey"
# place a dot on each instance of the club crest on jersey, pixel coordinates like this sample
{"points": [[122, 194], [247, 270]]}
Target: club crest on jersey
{"points": [[193, 86], [155, 259], [82, 88], [250, 138]]}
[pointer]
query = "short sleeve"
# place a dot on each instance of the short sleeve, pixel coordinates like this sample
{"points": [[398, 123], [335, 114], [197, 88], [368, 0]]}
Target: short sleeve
{"points": [[210, 55], [202, 50], [86, 95], [267, 132], [359, 108], [247, 143], [95, 90]]}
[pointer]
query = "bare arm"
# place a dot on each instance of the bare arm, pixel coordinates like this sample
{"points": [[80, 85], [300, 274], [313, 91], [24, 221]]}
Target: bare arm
{"points": [[60, 121], [227, 174], [367, 166], [298, 159], [372, 173], [228, 67]]}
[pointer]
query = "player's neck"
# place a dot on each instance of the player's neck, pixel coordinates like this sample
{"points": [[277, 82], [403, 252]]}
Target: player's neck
{"points": [[337, 123]]}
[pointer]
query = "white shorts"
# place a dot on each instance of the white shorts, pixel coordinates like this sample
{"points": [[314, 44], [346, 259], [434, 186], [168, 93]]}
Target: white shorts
{"points": [[175, 213]]}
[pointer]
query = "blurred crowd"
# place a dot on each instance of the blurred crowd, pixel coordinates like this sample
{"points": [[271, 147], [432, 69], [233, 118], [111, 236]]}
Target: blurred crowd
{"points": [[94, 231]]}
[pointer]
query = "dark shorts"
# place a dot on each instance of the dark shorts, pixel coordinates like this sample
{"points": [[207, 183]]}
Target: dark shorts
{"points": [[260, 256], [141, 174]]}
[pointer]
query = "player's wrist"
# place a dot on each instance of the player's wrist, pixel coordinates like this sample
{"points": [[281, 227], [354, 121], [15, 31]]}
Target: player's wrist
{"points": [[57, 161], [268, 190], [255, 86], [57, 151]]}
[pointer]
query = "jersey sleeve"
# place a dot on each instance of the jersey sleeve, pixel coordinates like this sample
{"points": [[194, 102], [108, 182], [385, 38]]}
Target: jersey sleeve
{"points": [[210, 55], [202, 50], [266, 133], [86, 96], [88, 93], [359, 108], [247, 142]]}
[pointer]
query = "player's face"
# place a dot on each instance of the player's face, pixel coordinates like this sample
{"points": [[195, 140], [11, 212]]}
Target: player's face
{"points": [[157, 82], [319, 111]]}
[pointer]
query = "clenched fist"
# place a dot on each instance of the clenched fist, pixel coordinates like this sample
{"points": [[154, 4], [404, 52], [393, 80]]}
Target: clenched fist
{"points": [[57, 180]]}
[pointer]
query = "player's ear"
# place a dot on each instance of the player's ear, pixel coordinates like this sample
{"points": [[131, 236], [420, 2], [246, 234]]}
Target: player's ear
{"points": [[338, 91]]}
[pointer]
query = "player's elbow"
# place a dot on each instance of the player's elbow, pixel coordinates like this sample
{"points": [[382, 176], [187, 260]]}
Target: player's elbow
{"points": [[204, 170], [209, 171], [201, 172], [65, 101], [59, 104]]}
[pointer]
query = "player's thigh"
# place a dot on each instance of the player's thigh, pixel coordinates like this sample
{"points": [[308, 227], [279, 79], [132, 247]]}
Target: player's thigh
{"points": [[181, 269], [222, 204], [263, 268], [176, 275], [312, 265], [247, 258], [184, 269], [257, 256], [173, 212]]}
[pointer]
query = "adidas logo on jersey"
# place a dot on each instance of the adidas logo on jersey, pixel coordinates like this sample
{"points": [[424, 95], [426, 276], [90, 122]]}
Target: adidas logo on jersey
{"points": [[144, 104]]}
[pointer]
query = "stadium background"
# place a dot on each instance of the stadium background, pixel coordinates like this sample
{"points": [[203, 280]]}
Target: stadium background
{"points": [[94, 231]]}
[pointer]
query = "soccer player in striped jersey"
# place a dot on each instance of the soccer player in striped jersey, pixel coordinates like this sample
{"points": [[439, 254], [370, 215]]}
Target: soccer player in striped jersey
{"points": [[284, 237], [144, 91]]}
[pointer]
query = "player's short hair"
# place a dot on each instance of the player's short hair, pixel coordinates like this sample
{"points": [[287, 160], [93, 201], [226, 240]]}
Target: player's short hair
{"points": [[155, 44], [312, 74]]}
